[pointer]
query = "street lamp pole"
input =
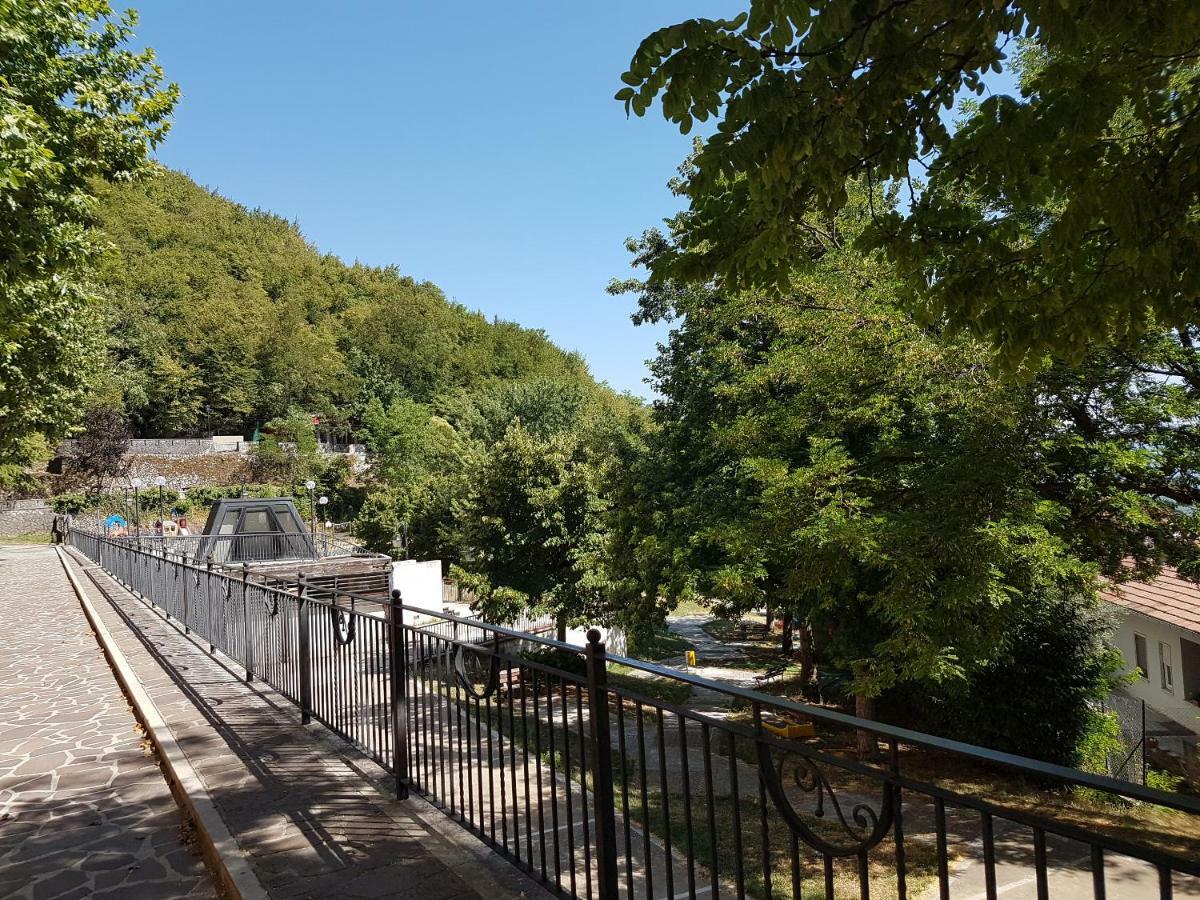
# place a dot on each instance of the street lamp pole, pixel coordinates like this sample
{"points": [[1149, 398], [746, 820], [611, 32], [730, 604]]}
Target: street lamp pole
{"points": [[137, 507], [312, 506], [322, 501], [162, 521]]}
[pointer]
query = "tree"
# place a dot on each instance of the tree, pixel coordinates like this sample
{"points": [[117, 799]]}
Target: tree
{"points": [[98, 454], [75, 105], [532, 523], [288, 451], [823, 452], [1049, 219], [221, 317]]}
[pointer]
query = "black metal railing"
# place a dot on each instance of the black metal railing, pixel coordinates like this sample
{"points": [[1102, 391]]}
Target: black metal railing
{"points": [[592, 773]]}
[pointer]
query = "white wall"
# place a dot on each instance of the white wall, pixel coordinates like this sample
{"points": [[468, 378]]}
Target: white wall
{"points": [[420, 584], [1170, 704]]}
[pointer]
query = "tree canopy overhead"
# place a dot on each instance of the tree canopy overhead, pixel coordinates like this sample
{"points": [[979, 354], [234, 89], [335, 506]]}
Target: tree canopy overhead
{"points": [[1043, 221]]}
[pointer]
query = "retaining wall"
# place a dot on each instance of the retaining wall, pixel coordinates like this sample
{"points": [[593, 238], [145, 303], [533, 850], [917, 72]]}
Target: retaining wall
{"points": [[21, 516]]}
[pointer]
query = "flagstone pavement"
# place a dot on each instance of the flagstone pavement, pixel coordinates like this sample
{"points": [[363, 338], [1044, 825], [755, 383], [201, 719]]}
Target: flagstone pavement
{"points": [[84, 808]]}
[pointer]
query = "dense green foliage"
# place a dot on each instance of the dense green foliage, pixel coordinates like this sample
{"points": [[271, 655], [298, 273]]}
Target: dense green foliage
{"points": [[222, 318], [823, 453], [1046, 220], [75, 105]]}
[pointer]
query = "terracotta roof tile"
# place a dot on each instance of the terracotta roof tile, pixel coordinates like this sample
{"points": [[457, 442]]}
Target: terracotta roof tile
{"points": [[1168, 598]]}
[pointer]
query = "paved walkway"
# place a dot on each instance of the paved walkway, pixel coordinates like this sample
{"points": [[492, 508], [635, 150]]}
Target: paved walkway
{"points": [[84, 809], [311, 821]]}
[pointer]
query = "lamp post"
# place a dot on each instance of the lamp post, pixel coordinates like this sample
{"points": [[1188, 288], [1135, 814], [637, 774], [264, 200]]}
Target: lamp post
{"points": [[161, 482], [136, 483], [312, 506], [324, 500]]}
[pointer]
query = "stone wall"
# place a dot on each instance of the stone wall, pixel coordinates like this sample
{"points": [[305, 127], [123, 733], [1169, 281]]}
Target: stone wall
{"points": [[22, 516], [180, 447]]}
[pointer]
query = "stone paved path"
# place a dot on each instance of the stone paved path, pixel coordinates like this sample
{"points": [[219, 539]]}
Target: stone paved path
{"points": [[84, 808], [310, 822]]}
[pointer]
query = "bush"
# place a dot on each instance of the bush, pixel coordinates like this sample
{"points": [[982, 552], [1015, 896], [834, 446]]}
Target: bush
{"points": [[1034, 700], [71, 504], [558, 658]]}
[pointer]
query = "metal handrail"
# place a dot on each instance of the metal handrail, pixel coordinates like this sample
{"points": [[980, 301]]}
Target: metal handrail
{"points": [[402, 693]]}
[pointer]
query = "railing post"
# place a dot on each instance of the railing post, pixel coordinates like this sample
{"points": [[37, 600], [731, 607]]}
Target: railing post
{"points": [[602, 770], [305, 662], [208, 604], [246, 648], [399, 677], [186, 576]]}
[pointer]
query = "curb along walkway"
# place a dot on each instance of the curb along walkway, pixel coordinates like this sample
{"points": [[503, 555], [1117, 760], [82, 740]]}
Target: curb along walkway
{"points": [[84, 809], [308, 820]]}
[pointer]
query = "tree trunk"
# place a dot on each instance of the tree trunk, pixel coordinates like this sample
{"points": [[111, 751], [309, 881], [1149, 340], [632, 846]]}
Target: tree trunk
{"points": [[560, 627], [864, 708], [770, 619], [786, 642], [808, 654]]}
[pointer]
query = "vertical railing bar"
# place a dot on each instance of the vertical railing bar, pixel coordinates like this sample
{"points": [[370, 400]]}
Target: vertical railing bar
{"points": [[537, 745], [687, 806], [553, 781], [1098, 888], [305, 661], [625, 796], [566, 749], [583, 790], [735, 804], [989, 856], [491, 764], [512, 758], [664, 782], [500, 755], [898, 824], [398, 676], [943, 859], [706, 745], [1165, 887], [647, 861], [1039, 862], [764, 823]]}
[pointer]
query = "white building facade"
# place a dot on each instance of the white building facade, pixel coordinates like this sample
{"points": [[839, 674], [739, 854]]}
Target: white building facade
{"points": [[1159, 635]]}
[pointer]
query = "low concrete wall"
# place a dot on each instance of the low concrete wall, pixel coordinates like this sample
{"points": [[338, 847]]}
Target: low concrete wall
{"points": [[21, 516]]}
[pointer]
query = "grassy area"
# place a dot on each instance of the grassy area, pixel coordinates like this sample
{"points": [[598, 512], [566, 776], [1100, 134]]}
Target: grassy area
{"points": [[691, 608], [27, 537], [654, 687], [660, 644], [1148, 825], [736, 836]]}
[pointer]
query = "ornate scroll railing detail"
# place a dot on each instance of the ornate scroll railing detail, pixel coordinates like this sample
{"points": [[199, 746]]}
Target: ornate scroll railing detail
{"points": [[344, 625], [464, 672], [864, 827]]}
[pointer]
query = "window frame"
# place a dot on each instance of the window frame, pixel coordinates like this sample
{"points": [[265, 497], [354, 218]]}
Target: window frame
{"points": [[1166, 669], [1141, 655]]}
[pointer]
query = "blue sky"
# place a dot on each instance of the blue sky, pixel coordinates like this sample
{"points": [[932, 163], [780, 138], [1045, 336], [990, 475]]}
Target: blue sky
{"points": [[480, 149]]}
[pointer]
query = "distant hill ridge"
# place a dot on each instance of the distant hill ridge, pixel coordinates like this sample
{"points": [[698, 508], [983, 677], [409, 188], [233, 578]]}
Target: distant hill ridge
{"points": [[220, 318]]}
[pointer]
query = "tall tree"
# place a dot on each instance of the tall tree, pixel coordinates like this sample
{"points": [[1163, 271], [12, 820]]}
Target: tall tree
{"points": [[1051, 218], [823, 452], [75, 105]]}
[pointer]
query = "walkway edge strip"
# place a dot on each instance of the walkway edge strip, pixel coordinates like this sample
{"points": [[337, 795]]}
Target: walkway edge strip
{"points": [[220, 849]]}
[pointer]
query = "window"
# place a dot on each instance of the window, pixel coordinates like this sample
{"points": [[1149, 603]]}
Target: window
{"points": [[258, 521], [1166, 676], [1141, 656]]}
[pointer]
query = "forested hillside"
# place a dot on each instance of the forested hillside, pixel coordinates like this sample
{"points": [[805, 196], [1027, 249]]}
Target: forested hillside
{"points": [[221, 318]]}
